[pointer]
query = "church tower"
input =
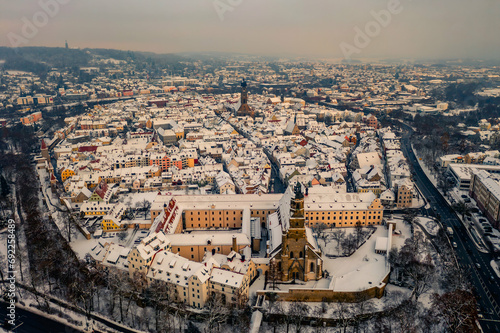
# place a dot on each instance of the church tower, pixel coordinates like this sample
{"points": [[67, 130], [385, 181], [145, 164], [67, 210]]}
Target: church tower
{"points": [[298, 258], [244, 109]]}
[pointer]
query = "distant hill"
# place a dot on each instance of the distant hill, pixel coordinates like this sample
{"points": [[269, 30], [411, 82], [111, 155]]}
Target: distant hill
{"points": [[41, 59]]}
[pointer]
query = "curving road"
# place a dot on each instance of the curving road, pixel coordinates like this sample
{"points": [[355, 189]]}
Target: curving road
{"points": [[483, 279]]}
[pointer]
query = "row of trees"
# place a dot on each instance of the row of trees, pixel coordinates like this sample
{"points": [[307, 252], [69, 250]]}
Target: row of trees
{"points": [[346, 244]]}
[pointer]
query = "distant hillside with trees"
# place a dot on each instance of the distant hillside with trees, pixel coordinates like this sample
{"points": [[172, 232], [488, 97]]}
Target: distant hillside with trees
{"points": [[40, 60]]}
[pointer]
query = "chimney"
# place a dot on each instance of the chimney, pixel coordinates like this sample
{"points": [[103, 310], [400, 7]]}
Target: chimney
{"points": [[235, 244]]}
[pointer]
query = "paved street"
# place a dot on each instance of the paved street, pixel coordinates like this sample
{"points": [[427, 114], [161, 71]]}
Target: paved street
{"points": [[487, 288]]}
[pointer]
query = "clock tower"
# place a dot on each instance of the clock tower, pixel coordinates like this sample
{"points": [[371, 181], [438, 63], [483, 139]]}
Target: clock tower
{"points": [[298, 259], [244, 109]]}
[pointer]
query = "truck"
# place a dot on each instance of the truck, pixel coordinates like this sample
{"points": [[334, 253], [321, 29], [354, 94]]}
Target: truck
{"points": [[450, 231]]}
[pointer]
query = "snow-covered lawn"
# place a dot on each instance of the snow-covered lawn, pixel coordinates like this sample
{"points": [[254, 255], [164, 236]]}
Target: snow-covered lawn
{"points": [[362, 270], [430, 225], [132, 199], [332, 247], [403, 231]]}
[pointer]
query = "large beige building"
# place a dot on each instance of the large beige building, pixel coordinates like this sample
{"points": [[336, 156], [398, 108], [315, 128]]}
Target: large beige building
{"points": [[485, 189], [321, 205], [140, 257], [186, 280]]}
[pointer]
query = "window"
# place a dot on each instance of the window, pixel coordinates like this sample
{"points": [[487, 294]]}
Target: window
{"points": [[300, 254], [291, 254], [312, 267]]}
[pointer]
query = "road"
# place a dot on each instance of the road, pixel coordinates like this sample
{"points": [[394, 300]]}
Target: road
{"points": [[487, 289], [277, 185], [349, 180]]}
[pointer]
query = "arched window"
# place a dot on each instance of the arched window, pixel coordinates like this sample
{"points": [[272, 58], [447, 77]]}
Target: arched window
{"points": [[300, 254], [291, 254], [312, 267]]}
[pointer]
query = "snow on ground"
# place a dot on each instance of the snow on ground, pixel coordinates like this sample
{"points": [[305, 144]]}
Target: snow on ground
{"points": [[431, 226], [131, 199], [3, 250], [81, 246], [331, 247], [362, 270], [257, 285], [404, 231], [52, 202], [366, 276], [495, 267], [424, 167], [418, 201], [320, 284]]}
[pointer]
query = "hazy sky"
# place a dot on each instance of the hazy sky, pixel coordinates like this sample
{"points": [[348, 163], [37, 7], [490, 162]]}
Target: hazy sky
{"points": [[422, 28]]}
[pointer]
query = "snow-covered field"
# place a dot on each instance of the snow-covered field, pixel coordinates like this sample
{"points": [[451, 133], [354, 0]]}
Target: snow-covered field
{"points": [[431, 226], [331, 246], [362, 270]]}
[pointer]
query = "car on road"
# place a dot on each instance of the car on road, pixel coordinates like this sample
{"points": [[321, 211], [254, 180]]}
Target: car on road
{"points": [[492, 278], [455, 244], [478, 265]]}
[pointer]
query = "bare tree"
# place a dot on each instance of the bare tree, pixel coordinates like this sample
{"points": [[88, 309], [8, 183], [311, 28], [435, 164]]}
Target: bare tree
{"points": [[343, 312], [321, 231], [273, 273], [275, 311], [338, 235], [319, 322], [462, 208], [298, 311], [409, 216], [122, 235], [358, 233], [421, 275], [349, 244], [457, 309], [145, 206], [361, 308], [218, 312], [405, 316]]}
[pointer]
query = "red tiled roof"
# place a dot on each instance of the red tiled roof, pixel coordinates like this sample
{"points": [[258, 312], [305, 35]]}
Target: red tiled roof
{"points": [[87, 148]]}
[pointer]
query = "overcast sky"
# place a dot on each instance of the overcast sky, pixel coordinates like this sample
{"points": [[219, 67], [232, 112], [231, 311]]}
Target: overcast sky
{"points": [[422, 29]]}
